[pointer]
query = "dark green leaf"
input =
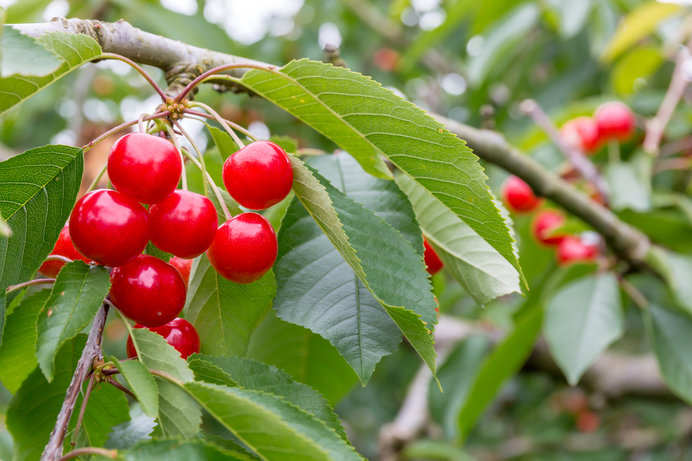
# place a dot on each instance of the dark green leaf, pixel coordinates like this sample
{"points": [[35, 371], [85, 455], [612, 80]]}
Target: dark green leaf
{"points": [[179, 450], [224, 142], [107, 407], [142, 384]]}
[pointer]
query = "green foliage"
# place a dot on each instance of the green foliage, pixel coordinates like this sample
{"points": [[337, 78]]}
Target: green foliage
{"points": [[142, 384], [22, 56]]}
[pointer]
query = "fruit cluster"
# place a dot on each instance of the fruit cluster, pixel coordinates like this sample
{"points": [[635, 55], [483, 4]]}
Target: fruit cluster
{"points": [[611, 121]]}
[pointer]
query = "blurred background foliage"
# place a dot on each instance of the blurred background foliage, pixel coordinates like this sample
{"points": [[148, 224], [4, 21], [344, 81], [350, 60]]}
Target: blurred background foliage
{"points": [[472, 61]]}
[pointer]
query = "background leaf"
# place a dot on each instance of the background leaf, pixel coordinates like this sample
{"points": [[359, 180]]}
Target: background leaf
{"points": [[179, 450], [21, 55]]}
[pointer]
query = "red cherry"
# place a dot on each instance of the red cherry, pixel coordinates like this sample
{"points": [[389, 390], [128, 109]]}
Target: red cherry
{"points": [[572, 249], [244, 248], [183, 266], [179, 333], [386, 59], [614, 121], [433, 263], [582, 132], [109, 227], [63, 247], [259, 175], [183, 224], [543, 225], [144, 167], [518, 195], [148, 290], [587, 421]]}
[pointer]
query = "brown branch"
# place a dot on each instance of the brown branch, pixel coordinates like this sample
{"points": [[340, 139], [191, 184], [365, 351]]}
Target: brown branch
{"points": [[112, 454]]}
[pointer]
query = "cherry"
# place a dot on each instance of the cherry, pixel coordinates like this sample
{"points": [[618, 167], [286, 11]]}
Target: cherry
{"points": [[183, 224], [582, 132], [109, 227], [144, 167], [179, 333], [572, 249], [543, 225], [614, 121], [244, 248], [259, 175], [518, 195], [433, 263], [63, 247], [183, 266], [148, 290]]}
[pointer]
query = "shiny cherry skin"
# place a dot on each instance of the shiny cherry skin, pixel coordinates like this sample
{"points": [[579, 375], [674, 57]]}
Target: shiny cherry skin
{"points": [[433, 263], [582, 132], [148, 290], [109, 227], [544, 223], [145, 167], [63, 247], [615, 121], [183, 224], [184, 266], [244, 248], [179, 333], [572, 249], [259, 175], [518, 195]]}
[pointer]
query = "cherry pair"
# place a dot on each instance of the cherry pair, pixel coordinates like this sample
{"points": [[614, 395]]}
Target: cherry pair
{"points": [[612, 120]]}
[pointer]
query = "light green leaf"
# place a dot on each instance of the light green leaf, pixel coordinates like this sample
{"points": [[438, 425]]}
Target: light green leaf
{"points": [[73, 49], [270, 426], [156, 354], [225, 313], [179, 450], [638, 63], [142, 384], [128, 434], [25, 11], [77, 294], [582, 319], [223, 141], [628, 188], [22, 56]]}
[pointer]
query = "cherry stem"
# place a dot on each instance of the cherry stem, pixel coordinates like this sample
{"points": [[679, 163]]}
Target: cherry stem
{"points": [[223, 123], [58, 258], [189, 87], [19, 286], [112, 454], [174, 138], [235, 126], [214, 188], [98, 177], [119, 386], [635, 295], [121, 127], [80, 418], [140, 123], [141, 71], [198, 152]]}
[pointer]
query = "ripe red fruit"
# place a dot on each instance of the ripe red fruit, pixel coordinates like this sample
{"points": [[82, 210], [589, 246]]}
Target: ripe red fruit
{"points": [[614, 121], [518, 195], [582, 132], [587, 421], [244, 248], [144, 167], [572, 249], [183, 224], [259, 175], [109, 227], [148, 290], [179, 333], [433, 263], [183, 266], [543, 225], [63, 247]]}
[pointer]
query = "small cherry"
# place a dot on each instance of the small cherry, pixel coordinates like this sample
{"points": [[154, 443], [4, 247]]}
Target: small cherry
{"points": [[572, 249], [244, 248], [63, 247], [518, 195], [582, 132], [184, 266], [433, 263], [109, 227], [543, 225], [144, 166], [614, 121], [148, 290], [259, 175], [183, 224], [179, 333]]}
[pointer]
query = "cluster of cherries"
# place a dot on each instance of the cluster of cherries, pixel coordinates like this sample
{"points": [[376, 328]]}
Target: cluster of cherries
{"points": [[112, 228], [611, 121]]}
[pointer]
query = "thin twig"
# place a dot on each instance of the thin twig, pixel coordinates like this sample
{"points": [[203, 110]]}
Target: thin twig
{"points": [[19, 286], [119, 386], [139, 69], [80, 418], [112, 454]]}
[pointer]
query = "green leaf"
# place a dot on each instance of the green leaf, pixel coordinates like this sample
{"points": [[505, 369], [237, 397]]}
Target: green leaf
{"points": [[677, 272], [373, 249], [178, 450], [270, 426], [224, 142], [39, 189], [77, 294], [156, 354], [128, 434], [25, 11], [18, 350], [581, 320], [22, 56], [225, 313], [302, 354], [142, 384], [73, 49], [367, 120], [250, 374], [629, 188], [638, 63], [287, 143], [482, 271], [107, 407], [503, 362], [153, 251]]}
